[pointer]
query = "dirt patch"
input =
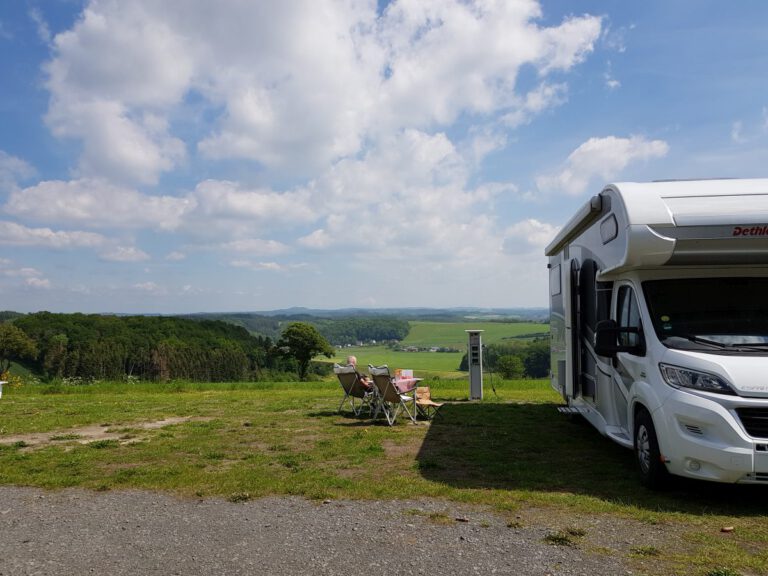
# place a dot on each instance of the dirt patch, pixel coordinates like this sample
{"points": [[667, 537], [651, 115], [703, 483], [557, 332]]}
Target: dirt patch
{"points": [[93, 433], [395, 449]]}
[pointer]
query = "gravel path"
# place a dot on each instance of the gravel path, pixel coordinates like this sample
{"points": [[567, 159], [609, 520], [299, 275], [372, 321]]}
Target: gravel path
{"points": [[136, 533]]}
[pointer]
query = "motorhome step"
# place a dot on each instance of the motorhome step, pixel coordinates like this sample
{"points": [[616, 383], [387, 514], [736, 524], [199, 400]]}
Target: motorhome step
{"points": [[570, 410], [619, 436]]}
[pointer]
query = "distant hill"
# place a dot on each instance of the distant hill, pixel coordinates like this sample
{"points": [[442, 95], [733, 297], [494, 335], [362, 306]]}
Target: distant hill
{"points": [[449, 314], [7, 315], [348, 325], [255, 323]]}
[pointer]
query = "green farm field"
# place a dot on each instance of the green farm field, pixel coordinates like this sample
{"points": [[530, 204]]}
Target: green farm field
{"points": [[452, 334], [440, 334], [443, 364]]}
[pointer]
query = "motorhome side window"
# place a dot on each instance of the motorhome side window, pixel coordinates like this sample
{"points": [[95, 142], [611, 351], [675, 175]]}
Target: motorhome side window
{"points": [[628, 317]]}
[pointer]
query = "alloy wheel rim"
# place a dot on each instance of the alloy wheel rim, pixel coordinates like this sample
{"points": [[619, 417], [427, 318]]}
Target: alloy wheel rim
{"points": [[643, 448]]}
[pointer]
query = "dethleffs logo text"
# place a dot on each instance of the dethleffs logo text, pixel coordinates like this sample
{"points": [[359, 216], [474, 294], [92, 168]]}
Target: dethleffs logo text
{"points": [[750, 231]]}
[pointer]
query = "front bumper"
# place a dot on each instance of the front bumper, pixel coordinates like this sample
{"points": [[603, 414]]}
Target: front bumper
{"points": [[704, 438]]}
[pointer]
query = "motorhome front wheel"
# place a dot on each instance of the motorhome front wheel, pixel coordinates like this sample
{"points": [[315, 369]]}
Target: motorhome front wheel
{"points": [[653, 472]]}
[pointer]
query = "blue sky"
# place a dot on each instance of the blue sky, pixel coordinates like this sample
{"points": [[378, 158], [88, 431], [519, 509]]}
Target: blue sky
{"points": [[185, 156]]}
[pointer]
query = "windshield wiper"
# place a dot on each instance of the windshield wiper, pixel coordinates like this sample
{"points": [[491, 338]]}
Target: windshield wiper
{"points": [[699, 340], [751, 345], [735, 346]]}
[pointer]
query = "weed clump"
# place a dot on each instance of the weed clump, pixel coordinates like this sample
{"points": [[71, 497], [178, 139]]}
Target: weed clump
{"points": [[567, 537]]}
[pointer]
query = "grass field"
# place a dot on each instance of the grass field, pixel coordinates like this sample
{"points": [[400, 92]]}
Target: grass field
{"points": [[440, 334], [443, 364], [452, 334], [512, 452]]}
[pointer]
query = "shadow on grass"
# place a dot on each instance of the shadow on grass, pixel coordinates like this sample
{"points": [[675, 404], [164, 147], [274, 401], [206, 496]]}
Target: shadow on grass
{"points": [[532, 447]]}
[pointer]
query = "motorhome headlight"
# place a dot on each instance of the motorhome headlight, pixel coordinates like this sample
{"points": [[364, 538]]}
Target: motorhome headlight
{"points": [[685, 378]]}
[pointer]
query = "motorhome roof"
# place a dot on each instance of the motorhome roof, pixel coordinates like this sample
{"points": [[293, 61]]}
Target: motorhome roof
{"points": [[679, 222], [694, 202]]}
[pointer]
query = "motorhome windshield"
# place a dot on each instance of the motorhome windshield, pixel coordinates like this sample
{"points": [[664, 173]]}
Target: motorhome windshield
{"points": [[719, 315]]}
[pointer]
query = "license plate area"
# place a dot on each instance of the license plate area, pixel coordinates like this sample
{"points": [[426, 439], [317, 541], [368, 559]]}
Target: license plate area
{"points": [[761, 459]]}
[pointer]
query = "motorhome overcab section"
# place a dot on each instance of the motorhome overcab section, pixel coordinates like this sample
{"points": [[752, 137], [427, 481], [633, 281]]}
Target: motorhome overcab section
{"points": [[659, 324]]}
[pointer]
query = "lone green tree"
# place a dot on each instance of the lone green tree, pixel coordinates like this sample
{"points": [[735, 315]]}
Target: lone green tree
{"points": [[510, 367], [303, 342], [15, 345]]}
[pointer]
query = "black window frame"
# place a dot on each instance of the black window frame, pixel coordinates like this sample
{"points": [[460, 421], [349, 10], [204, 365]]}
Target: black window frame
{"points": [[629, 320]]}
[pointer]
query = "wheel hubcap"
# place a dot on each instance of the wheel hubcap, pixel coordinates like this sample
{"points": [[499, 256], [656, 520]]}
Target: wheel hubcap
{"points": [[643, 449]]}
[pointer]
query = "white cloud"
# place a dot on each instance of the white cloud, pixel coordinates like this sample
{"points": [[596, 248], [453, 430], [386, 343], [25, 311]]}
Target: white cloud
{"points": [[43, 30], [569, 43], [448, 57], [22, 272], [412, 208], [219, 199], [328, 76], [150, 287], [483, 141], [610, 82], [124, 254], [175, 256], [534, 102], [31, 277], [256, 246], [364, 133], [258, 266], [115, 144], [117, 103], [95, 203], [528, 236], [214, 205], [317, 239], [13, 234], [13, 169], [600, 157], [42, 283], [615, 39]]}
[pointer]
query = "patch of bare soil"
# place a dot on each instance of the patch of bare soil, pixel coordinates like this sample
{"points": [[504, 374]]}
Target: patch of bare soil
{"points": [[93, 433], [409, 448]]}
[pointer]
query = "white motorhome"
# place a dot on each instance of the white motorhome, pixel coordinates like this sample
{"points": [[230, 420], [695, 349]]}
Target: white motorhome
{"points": [[659, 324]]}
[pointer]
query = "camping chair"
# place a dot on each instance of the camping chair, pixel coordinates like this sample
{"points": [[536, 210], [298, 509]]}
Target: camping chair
{"points": [[425, 406], [358, 394], [389, 399]]}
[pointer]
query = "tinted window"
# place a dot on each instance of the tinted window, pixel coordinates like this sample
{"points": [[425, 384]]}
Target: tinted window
{"points": [[628, 317]]}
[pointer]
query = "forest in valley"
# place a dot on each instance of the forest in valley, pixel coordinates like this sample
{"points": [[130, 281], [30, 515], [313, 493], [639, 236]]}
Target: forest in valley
{"points": [[211, 348], [91, 346], [162, 348]]}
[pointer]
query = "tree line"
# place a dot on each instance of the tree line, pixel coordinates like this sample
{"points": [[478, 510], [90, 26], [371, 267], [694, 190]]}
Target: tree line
{"points": [[161, 348], [92, 346], [338, 331], [516, 359], [353, 330]]}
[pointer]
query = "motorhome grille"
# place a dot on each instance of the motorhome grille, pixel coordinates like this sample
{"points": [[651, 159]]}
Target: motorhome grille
{"points": [[755, 421]]}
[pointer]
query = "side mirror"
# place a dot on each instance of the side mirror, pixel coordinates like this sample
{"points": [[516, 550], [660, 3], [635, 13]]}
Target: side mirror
{"points": [[607, 340]]}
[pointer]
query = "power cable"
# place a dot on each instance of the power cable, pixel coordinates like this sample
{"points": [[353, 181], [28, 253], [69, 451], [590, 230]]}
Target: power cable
{"points": [[489, 371]]}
